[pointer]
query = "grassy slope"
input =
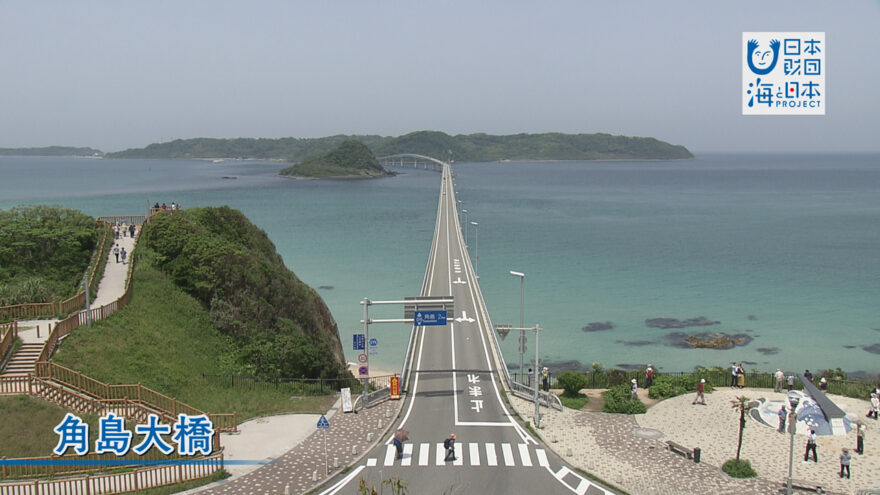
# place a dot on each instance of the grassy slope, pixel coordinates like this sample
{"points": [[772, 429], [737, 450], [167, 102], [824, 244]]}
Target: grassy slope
{"points": [[164, 340]]}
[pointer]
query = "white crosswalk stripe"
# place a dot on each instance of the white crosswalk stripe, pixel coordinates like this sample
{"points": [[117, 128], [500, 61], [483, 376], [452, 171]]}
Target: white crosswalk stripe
{"points": [[420, 455]]}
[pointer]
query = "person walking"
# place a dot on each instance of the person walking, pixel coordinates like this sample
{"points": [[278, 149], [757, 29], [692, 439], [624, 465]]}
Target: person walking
{"points": [[780, 378], [449, 445], [116, 252], [700, 388], [733, 372], [790, 382], [808, 375], [649, 376], [823, 384], [545, 378], [123, 254], [845, 459], [400, 436], [131, 229], [635, 389], [783, 415], [811, 447], [875, 406], [861, 428], [124, 228]]}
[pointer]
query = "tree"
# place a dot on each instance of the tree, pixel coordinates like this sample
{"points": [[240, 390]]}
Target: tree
{"points": [[742, 404], [571, 382]]}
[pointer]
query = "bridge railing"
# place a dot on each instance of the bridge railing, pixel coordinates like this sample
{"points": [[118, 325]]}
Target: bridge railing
{"points": [[8, 333]]}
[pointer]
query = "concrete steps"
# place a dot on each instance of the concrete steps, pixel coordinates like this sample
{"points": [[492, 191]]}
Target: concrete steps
{"points": [[24, 359]]}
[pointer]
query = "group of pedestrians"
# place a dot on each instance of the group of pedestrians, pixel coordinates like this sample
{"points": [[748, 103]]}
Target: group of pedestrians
{"points": [[124, 230], [164, 207], [119, 253], [737, 375]]}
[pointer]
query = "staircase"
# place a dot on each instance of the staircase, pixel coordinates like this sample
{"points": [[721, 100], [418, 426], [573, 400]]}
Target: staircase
{"points": [[22, 362]]}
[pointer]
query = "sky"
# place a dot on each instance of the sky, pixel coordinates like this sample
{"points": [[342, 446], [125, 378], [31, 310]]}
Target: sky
{"points": [[120, 74]]}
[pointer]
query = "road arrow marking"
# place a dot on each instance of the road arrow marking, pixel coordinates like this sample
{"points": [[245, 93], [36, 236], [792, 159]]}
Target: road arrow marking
{"points": [[459, 281], [464, 317]]}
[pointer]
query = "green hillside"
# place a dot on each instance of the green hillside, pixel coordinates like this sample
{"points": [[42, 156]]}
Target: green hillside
{"points": [[351, 159], [470, 147]]}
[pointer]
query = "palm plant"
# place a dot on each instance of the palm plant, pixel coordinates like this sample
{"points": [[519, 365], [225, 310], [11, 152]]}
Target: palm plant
{"points": [[742, 404]]}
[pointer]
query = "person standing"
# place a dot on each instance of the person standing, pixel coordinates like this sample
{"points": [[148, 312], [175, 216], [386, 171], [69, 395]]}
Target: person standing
{"points": [[124, 229], [449, 445], [780, 378], [875, 406], [700, 388], [545, 378], [649, 376], [635, 389], [131, 229], [741, 376], [808, 375], [733, 371], [811, 447], [823, 384], [783, 415], [845, 459], [790, 382], [860, 437], [123, 254], [116, 252]]}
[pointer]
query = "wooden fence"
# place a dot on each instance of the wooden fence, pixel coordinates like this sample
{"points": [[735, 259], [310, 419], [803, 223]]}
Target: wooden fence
{"points": [[56, 308], [107, 484], [166, 407]]}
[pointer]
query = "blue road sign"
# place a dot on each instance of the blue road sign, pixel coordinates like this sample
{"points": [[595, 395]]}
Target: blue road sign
{"points": [[374, 342], [358, 342], [428, 318], [323, 423]]}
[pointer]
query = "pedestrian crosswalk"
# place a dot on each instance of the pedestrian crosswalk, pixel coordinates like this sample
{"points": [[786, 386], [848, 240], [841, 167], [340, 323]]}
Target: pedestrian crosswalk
{"points": [[466, 453]]}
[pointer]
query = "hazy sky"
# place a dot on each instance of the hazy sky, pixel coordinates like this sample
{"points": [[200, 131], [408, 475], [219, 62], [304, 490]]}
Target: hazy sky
{"points": [[119, 74]]}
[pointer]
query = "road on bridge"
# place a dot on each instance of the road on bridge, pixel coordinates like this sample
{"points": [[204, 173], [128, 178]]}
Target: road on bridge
{"points": [[455, 388]]}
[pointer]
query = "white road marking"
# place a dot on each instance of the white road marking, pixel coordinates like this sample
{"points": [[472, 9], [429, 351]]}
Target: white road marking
{"points": [[562, 473], [542, 458], [464, 317], [423, 454], [459, 281], [458, 459], [582, 487], [491, 458], [524, 455], [441, 452], [390, 451], [407, 454], [508, 454], [371, 462], [474, 454]]}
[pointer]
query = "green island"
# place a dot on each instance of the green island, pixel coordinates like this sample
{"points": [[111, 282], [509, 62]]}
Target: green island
{"points": [[51, 151], [350, 160], [462, 147]]}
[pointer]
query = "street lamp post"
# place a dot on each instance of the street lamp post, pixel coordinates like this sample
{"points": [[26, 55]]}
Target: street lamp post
{"points": [[477, 232], [792, 426], [522, 333]]}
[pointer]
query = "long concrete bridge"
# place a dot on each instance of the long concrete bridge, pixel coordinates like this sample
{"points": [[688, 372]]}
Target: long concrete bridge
{"points": [[456, 380]]}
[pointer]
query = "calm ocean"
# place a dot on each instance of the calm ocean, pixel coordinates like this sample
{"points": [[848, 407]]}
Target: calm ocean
{"points": [[781, 248]]}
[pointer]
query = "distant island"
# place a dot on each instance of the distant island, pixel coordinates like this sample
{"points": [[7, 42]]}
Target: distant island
{"points": [[51, 151], [350, 160], [462, 147]]}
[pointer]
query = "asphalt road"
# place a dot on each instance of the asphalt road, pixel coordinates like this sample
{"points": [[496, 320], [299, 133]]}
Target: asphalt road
{"points": [[455, 389]]}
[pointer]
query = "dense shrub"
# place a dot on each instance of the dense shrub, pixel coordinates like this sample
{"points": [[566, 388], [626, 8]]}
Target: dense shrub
{"points": [[739, 468], [571, 382], [618, 399], [44, 251], [280, 324]]}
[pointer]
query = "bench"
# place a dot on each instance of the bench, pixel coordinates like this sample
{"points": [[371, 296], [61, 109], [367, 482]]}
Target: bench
{"points": [[684, 451], [803, 485]]}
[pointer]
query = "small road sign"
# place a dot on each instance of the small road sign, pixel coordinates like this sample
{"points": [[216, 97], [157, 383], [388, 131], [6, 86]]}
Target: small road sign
{"points": [[323, 423], [429, 318], [374, 342], [362, 358], [363, 370], [358, 342]]}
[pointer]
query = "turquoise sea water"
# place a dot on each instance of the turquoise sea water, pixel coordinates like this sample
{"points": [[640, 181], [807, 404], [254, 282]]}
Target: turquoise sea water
{"points": [[782, 248]]}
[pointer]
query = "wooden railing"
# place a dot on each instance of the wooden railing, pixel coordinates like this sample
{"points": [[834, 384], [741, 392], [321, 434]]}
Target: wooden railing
{"points": [[8, 332], [133, 481], [49, 309], [165, 406]]}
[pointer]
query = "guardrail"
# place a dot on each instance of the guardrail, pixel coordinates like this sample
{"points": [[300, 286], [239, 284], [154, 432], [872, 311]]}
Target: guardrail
{"points": [[107, 484], [8, 333]]}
